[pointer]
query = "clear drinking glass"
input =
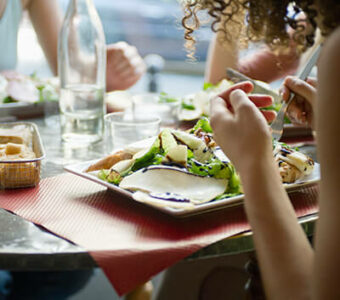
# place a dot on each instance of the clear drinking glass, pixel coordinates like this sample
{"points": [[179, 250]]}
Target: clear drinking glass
{"points": [[82, 70], [149, 104], [124, 128]]}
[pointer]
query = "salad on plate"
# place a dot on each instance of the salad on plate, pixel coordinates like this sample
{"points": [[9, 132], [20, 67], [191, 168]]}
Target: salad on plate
{"points": [[184, 169], [19, 88]]}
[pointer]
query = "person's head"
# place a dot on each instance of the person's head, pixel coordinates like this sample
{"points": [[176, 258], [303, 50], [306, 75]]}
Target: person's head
{"points": [[267, 20]]}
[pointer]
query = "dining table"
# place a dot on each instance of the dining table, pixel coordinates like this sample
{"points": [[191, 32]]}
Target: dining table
{"points": [[25, 246]]}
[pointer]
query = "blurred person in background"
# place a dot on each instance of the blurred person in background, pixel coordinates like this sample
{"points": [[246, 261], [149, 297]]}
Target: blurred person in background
{"points": [[262, 63], [290, 270], [124, 65], [124, 68]]}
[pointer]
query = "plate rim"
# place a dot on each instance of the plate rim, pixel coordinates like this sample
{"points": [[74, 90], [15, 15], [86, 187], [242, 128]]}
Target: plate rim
{"points": [[78, 169]]}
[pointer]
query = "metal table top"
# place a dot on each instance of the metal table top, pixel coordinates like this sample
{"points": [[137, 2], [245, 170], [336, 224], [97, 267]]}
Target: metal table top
{"points": [[25, 246]]}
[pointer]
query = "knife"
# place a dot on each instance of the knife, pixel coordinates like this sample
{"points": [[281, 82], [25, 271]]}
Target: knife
{"points": [[236, 76]]}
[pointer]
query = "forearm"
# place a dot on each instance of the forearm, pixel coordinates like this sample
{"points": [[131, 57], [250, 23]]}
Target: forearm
{"points": [[220, 57], [262, 65], [266, 66], [284, 253], [327, 239], [46, 19]]}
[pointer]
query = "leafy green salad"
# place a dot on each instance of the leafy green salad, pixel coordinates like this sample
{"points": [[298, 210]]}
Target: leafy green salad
{"points": [[177, 163], [16, 87]]}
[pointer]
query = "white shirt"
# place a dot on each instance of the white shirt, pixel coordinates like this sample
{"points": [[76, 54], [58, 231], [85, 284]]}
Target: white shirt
{"points": [[9, 25]]}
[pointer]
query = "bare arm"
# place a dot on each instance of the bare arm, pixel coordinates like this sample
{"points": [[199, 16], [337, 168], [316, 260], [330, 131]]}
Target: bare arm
{"points": [[289, 267], [266, 66], [284, 253], [219, 58], [262, 65], [46, 20], [124, 64], [327, 260]]}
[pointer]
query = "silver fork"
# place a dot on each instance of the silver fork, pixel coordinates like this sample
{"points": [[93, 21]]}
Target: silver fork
{"points": [[277, 125]]}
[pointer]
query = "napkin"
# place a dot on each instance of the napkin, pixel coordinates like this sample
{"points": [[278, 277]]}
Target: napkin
{"points": [[130, 241]]}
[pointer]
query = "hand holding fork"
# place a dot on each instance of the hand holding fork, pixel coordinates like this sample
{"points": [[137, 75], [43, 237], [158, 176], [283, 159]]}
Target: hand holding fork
{"points": [[293, 84]]}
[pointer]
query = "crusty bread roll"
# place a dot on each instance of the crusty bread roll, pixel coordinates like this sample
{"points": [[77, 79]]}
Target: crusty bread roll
{"points": [[12, 152], [15, 145], [108, 161], [19, 134]]}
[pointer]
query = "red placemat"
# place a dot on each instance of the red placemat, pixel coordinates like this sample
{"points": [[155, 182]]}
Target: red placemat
{"points": [[129, 241]]}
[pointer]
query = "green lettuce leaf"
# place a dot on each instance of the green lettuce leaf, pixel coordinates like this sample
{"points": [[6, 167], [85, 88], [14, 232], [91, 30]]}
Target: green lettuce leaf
{"points": [[148, 158], [204, 124], [208, 86], [102, 174], [165, 98]]}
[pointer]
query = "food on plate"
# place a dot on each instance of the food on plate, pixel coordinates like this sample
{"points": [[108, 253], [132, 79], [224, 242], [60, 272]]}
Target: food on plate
{"points": [[158, 181], [15, 87], [292, 164], [118, 101], [197, 104], [186, 183], [175, 157], [109, 161], [187, 108], [181, 169]]}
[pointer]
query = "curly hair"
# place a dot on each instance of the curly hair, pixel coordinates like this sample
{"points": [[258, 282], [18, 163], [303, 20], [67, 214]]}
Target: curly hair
{"points": [[267, 21]]}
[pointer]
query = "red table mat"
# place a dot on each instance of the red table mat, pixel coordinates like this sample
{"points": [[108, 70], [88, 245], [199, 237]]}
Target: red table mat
{"points": [[129, 241]]}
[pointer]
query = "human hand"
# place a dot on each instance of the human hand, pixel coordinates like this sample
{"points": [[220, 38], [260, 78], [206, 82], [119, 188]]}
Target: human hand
{"points": [[240, 128], [300, 110], [124, 66]]}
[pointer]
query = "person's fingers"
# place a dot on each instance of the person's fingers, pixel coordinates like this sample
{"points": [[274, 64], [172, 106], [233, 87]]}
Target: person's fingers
{"points": [[125, 70], [245, 86], [121, 83], [300, 87], [300, 112], [284, 92], [122, 63], [114, 57], [239, 98], [218, 108], [312, 81], [128, 72], [261, 100], [129, 81], [270, 115], [220, 117], [119, 45], [121, 50]]}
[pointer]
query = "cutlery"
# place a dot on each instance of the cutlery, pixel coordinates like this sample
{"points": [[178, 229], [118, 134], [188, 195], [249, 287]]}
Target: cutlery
{"points": [[277, 124], [236, 76]]}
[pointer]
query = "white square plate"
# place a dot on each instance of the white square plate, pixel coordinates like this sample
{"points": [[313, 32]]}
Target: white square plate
{"points": [[78, 169]]}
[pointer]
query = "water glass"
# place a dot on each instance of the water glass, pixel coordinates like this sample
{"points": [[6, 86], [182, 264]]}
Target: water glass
{"points": [[82, 110], [149, 104], [123, 128]]}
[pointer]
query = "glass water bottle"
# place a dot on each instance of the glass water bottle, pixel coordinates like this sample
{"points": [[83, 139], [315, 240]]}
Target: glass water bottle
{"points": [[82, 71]]}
